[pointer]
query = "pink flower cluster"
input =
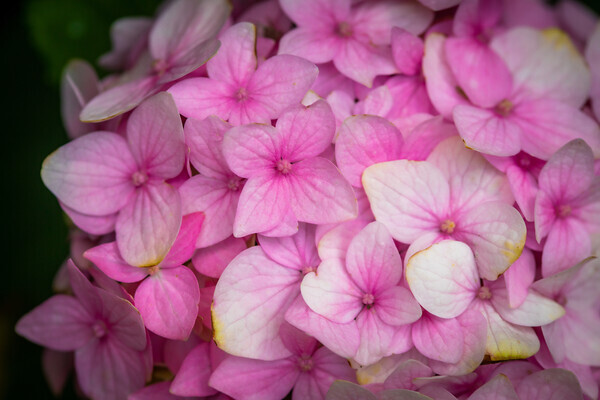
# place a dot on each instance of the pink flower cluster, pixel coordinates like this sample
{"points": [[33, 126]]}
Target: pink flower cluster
{"points": [[383, 199]]}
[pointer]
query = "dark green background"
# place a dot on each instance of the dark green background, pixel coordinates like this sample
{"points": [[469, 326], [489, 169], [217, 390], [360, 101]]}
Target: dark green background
{"points": [[38, 37]]}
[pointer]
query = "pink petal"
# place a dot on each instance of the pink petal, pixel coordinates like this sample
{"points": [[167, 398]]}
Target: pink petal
{"points": [[193, 375], [235, 61], [437, 5], [425, 136], [306, 131], [441, 84], [332, 293], [200, 98], [362, 141], [247, 379], [281, 82], [376, 19], [362, 62], [155, 136], [118, 100], [168, 301], [316, 14], [92, 174], [408, 197], [95, 225], [312, 45], [263, 203], [476, 17], [524, 187], [498, 388], [204, 138], [212, 260], [342, 339], [108, 370], [252, 149], [108, 259], [147, 227], [479, 72], [57, 366], [592, 56], [329, 366], [249, 305], [485, 131], [572, 337], [567, 244], [185, 24], [60, 323], [334, 244], [129, 36], [343, 390], [296, 341], [185, 243], [496, 232], [407, 50], [123, 320], [397, 306], [438, 338], [550, 384], [372, 261], [319, 193], [402, 377], [79, 84], [298, 251], [378, 339], [518, 277], [188, 61], [155, 391]]}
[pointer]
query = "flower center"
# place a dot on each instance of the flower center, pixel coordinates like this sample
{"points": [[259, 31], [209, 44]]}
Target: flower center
{"points": [[447, 226], [305, 362], [160, 67], [368, 300], [284, 166], [234, 183], [99, 329], [561, 299], [344, 29], [563, 210], [308, 270], [139, 178], [484, 293], [504, 107], [241, 95], [152, 270]]}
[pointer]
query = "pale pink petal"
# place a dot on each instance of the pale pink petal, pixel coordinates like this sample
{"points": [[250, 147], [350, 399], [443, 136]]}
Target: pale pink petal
{"points": [[506, 341], [496, 232], [407, 50], [306, 131], [342, 339], [362, 141], [373, 261], [185, 24], [547, 125], [252, 149], [587, 207], [118, 100], [550, 384], [533, 13], [319, 193], [574, 335], [247, 379], [263, 203], [448, 269], [312, 45], [485, 131], [286, 227], [155, 137], [402, 377], [332, 293], [378, 339], [441, 84], [378, 101], [249, 305], [215, 198], [93, 224], [108, 370], [474, 331], [60, 323], [193, 375], [168, 301], [544, 64], [92, 174], [362, 62], [516, 371], [147, 227], [204, 138], [235, 62], [185, 242], [408, 197], [129, 37], [187, 61], [298, 251], [281, 82], [108, 259], [212, 260], [518, 277], [567, 244], [438, 338], [334, 243], [498, 388], [478, 71], [343, 390], [536, 310], [79, 84], [200, 98], [397, 306]]}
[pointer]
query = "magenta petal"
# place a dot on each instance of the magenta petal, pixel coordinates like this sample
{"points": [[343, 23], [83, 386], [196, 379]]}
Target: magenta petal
{"points": [[168, 301], [148, 225], [118, 100], [247, 379], [362, 141], [92, 174], [108, 370], [192, 377], [550, 384], [109, 260], [185, 243], [438, 338], [60, 323]]}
